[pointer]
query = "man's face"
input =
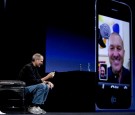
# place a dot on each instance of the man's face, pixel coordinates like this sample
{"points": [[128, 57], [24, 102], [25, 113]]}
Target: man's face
{"points": [[116, 53], [39, 62], [102, 71]]}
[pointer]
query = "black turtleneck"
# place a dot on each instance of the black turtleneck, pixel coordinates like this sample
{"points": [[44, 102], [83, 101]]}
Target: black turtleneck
{"points": [[29, 74]]}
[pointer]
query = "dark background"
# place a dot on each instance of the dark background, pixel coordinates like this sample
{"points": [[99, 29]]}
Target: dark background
{"points": [[23, 29], [24, 25]]}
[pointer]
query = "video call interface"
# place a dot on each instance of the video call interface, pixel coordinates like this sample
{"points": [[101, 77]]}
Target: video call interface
{"points": [[107, 26]]}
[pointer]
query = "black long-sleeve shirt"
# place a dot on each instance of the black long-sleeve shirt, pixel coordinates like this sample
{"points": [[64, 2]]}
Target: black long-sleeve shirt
{"points": [[125, 78], [29, 74]]}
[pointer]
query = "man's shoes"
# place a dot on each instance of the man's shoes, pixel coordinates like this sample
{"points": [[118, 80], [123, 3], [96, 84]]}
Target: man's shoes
{"points": [[2, 112], [43, 111], [34, 110]]}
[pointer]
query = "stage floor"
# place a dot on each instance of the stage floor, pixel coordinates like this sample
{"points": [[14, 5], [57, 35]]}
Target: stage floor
{"points": [[77, 113]]}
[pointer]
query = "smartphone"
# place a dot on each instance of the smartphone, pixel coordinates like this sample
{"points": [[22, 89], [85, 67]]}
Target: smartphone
{"points": [[113, 32]]}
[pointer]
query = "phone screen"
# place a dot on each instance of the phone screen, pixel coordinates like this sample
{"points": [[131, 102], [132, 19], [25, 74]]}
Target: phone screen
{"points": [[114, 56]]}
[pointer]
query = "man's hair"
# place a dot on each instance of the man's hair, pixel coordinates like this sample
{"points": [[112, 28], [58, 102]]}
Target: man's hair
{"points": [[116, 34], [36, 56]]}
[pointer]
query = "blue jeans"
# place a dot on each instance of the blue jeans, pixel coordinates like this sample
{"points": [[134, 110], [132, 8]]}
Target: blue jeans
{"points": [[39, 91]]}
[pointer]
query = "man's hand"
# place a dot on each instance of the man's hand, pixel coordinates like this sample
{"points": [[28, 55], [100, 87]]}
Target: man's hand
{"points": [[51, 75], [51, 85]]}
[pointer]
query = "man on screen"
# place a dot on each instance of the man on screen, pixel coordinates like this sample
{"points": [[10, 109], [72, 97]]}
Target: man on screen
{"points": [[103, 72], [117, 73]]}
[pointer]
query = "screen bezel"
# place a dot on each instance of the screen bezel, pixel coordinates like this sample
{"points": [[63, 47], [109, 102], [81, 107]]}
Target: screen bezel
{"points": [[113, 9]]}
